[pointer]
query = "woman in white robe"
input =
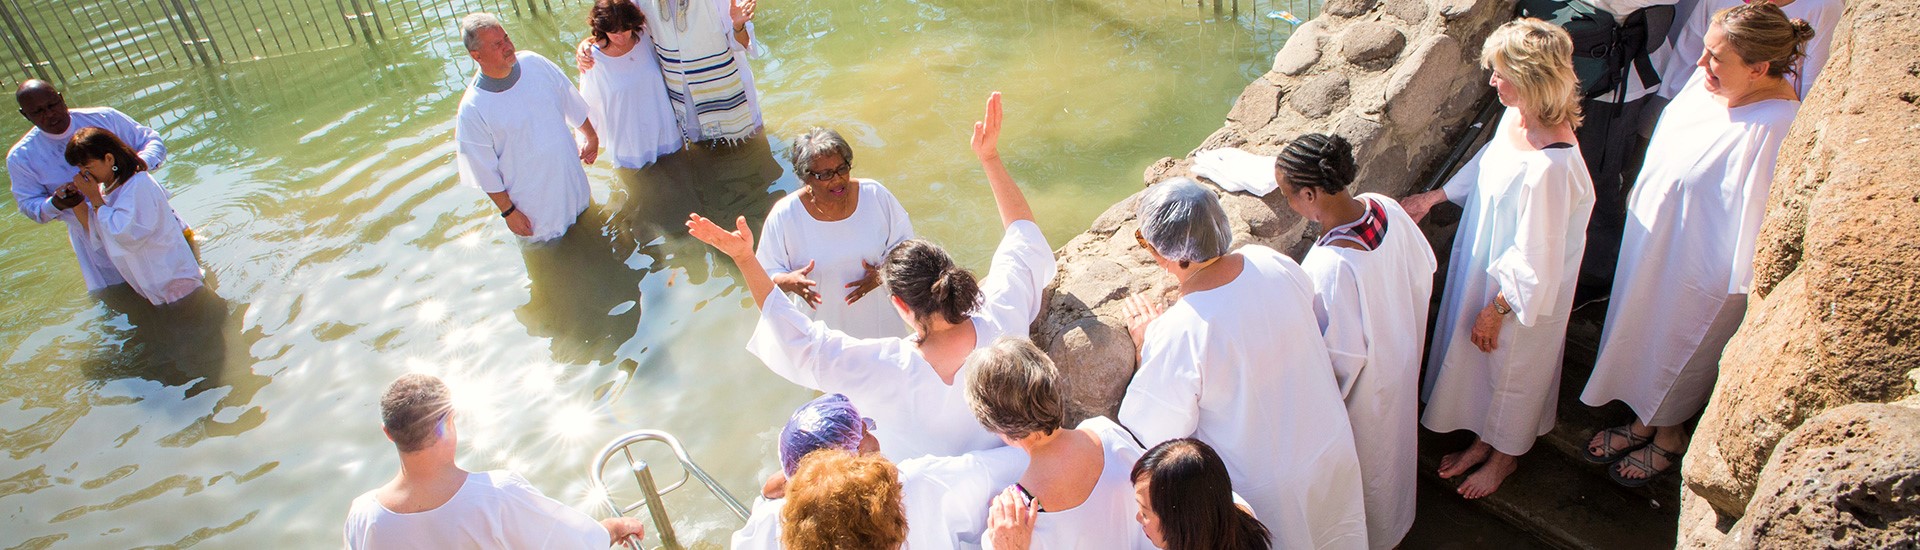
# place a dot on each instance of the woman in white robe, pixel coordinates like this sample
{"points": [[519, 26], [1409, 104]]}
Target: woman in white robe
{"points": [[825, 243], [1687, 42], [1527, 197], [907, 384], [127, 215], [1077, 482], [692, 38], [1239, 362], [1372, 278], [626, 99], [1686, 262]]}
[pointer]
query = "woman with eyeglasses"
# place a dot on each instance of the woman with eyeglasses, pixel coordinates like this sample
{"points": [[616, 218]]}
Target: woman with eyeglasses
{"points": [[626, 99], [825, 243], [907, 385]]}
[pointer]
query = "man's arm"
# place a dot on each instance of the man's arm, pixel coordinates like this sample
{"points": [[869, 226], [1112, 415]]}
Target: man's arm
{"points": [[32, 198], [141, 138], [517, 221]]}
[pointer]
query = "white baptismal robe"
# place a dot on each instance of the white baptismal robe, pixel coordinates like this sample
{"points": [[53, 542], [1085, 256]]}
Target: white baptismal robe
{"points": [[520, 141], [946, 500], [628, 104], [139, 232], [1106, 520], [1521, 236], [37, 164], [1693, 218], [1679, 59], [916, 413], [1372, 308], [1243, 367], [791, 237], [491, 510]]}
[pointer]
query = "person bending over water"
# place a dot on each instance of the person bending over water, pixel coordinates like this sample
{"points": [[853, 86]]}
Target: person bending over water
{"points": [[126, 215], [907, 384], [837, 229], [1495, 364]]}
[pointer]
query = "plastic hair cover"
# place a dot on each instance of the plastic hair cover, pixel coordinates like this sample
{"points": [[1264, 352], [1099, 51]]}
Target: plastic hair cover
{"points": [[1184, 221], [827, 422]]}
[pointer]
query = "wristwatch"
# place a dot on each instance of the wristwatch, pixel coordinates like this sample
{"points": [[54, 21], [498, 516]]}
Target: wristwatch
{"points": [[1501, 308]]}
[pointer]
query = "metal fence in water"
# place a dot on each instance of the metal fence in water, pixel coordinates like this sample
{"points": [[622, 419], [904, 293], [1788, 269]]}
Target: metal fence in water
{"points": [[71, 40]]}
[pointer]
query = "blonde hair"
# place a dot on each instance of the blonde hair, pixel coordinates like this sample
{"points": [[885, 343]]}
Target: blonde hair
{"points": [[1760, 33], [840, 500], [1538, 58], [1014, 389]]}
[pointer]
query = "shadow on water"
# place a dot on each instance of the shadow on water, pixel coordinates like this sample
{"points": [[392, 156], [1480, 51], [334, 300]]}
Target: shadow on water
{"points": [[195, 343], [584, 288]]}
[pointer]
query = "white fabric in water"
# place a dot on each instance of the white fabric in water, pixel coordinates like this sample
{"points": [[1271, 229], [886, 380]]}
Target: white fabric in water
{"points": [[520, 141], [37, 166], [491, 510], [1236, 170], [887, 378], [139, 232], [1244, 368], [627, 102], [1372, 308], [1520, 237], [1692, 221], [791, 237]]}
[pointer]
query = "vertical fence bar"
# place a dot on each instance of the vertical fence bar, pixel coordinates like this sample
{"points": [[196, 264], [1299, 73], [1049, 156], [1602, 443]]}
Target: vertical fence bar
{"points": [[52, 65], [27, 67], [119, 42], [177, 17], [215, 46]]}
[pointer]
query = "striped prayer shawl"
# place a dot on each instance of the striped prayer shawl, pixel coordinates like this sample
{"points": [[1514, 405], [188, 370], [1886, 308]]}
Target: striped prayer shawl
{"points": [[702, 75]]}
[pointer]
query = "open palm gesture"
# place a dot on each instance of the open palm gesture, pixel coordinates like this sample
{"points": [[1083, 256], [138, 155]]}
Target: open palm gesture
{"points": [[736, 243]]}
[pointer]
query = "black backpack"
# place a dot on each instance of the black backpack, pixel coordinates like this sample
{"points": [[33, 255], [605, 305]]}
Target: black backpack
{"points": [[1606, 54]]}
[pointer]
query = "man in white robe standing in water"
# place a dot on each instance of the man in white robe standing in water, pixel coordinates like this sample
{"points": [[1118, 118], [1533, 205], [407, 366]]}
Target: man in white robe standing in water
{"points": [[42, 179], [515, 129]]}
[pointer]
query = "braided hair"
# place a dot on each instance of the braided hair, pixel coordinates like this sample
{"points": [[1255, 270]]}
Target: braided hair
{"points": [[1320, 161]]}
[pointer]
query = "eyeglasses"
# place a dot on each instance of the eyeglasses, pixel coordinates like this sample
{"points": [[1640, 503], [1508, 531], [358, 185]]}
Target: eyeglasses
{"points": [[829, 175], [1142, 239]]}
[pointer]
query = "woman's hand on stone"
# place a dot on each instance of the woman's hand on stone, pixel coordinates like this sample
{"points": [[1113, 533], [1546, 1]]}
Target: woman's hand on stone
{"points": [[1140, 313], [1417, 206], [797, 283], [865, 285], [1486, 329], [735, 244], [986, 132], [1010, 521]]}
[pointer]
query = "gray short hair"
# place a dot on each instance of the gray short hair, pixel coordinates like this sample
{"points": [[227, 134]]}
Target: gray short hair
{"points": [[1184, 221], [1014, 389], [471, 25], [813, 144]]}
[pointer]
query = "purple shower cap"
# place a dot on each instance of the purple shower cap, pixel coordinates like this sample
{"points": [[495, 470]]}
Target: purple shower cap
{"points": [[827, 422]]}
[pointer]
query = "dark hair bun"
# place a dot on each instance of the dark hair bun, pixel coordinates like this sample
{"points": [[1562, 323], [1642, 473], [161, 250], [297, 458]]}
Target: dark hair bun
{"points": [[921, 274]]}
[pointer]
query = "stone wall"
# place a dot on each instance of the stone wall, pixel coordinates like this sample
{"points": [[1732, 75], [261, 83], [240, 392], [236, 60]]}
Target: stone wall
{"points": [[1399, 78], [1832, 320]]}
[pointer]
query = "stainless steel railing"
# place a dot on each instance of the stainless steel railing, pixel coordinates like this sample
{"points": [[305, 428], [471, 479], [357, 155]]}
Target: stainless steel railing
{"points": [[650, 492]]}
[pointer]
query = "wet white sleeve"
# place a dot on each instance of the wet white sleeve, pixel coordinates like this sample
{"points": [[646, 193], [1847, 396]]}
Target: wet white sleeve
{"points": [[808, 353], [477, 160], [33, 200], [136, 216]]}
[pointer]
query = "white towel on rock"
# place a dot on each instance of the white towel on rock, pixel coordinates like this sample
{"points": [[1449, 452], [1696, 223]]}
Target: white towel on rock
{"points": [[1236, 170]]}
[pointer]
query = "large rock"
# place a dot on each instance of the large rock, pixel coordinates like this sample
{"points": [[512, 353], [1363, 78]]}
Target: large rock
{"points": [[1848, 478], [1316, 73], [1837, 298]]}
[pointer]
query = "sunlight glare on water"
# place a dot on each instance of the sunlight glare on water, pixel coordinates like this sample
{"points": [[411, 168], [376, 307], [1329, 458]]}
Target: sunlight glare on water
{"points": [[323, 188]]}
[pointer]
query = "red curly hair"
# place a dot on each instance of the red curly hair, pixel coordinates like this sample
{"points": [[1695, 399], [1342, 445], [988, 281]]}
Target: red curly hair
{"points": [[837, 500]]}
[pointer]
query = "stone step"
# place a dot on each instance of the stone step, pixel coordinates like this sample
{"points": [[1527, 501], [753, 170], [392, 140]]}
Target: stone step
{"points": [[1556, 494]]}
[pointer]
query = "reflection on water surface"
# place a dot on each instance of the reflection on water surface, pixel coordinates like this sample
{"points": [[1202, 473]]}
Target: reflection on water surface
{"points": [[346, 254]]}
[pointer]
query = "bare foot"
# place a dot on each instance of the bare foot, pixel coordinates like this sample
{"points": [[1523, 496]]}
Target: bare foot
{"points": [[1454, 464], [1487, 479]]}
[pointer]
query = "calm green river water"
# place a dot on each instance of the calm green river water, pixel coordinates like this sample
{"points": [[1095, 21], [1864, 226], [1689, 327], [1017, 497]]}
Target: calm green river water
{"points": [[323, 187]]}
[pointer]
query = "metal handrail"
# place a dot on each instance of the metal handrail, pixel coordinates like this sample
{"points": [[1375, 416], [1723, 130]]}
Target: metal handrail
{"points": [[650, 492]]}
